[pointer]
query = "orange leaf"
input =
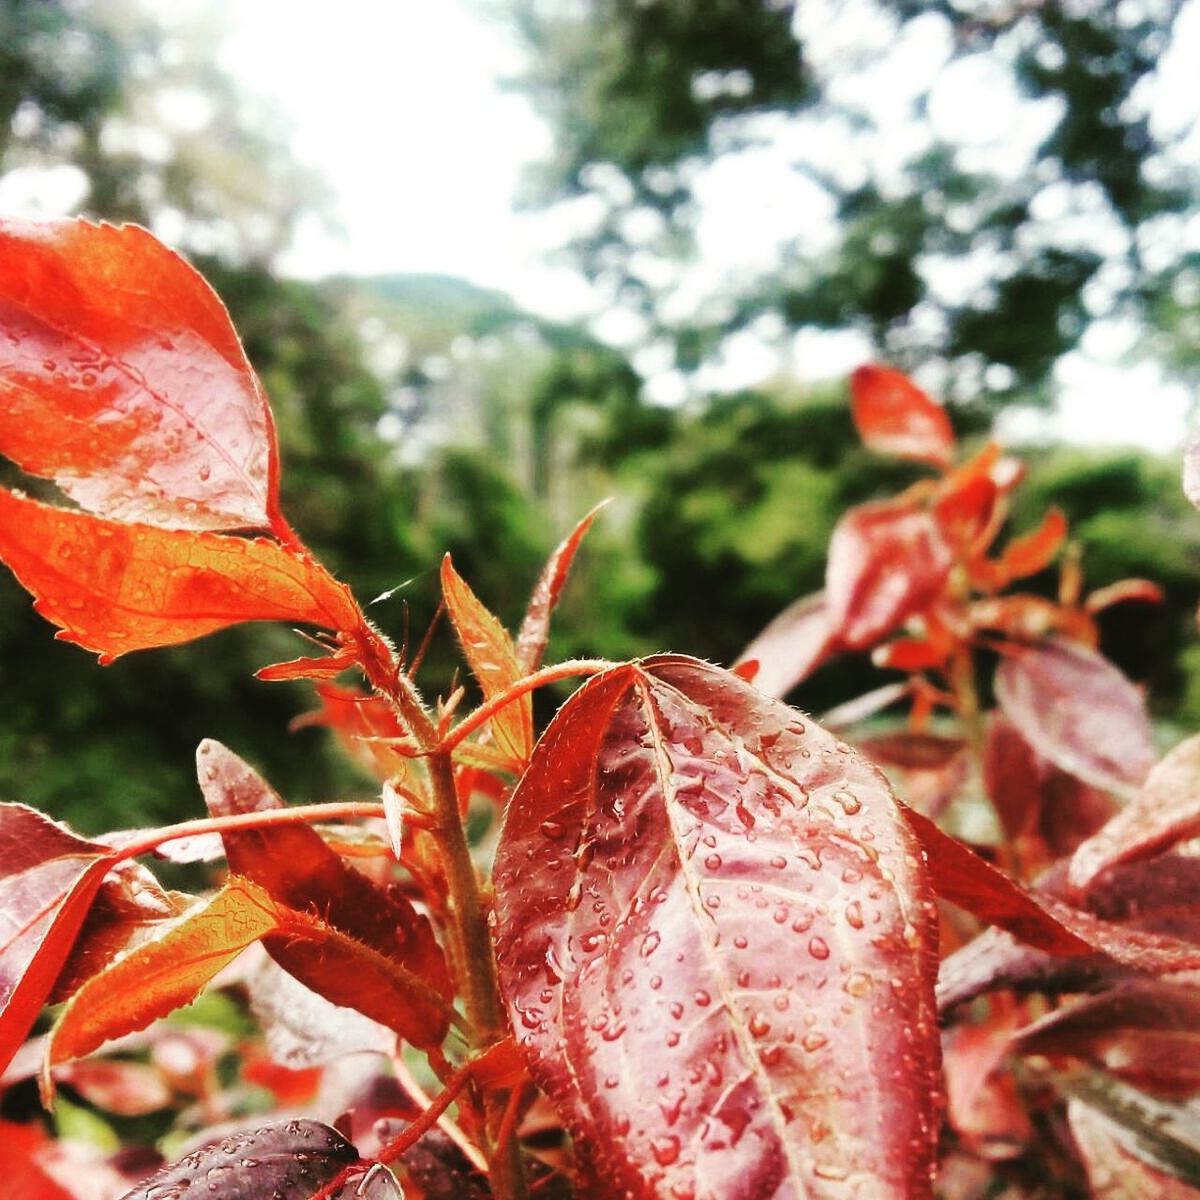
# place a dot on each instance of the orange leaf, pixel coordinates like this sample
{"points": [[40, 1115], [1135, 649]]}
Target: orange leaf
{"points": [[893, 416], [1032, 552], [493, 661], [122, 379], [165, 973], [113, 588]]}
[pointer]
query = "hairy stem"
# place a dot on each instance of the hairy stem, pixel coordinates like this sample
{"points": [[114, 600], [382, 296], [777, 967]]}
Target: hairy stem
{"points": [[478, 980]]}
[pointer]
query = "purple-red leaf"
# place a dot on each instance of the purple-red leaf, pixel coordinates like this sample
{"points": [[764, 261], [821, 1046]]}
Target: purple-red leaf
{"points": [[1165, 811], [288, 1161], [887, 561], [122, 379], [893, 416], [535, 628], [386, 962], [717, 945], [49, 879], [113, 588], [1076, 709], [792, 646]]}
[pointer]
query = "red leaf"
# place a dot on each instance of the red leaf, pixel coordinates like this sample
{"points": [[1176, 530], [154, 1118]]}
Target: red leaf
{"points": [[113, 588], [1076, 709], [535, 628], [24, 1176], [294, 864], [1142, 1031], [893, 416], [887, 561], [122, 379], [129, 906], [366, 726], [962, 877], [708, 912], [1033, 552], [493, 661], [50, 878], [1165, 811], [932, 769], [964, 511], [792, 646]]}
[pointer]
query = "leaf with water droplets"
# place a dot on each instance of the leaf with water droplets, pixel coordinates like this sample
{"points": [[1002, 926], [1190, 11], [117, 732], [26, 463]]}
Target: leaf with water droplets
{"points": [[48, 881], [893, 416], [289, 1161], [493, 661], [113, 588], [122, 379], [163, 973], [1076, 709], [717, 945]]}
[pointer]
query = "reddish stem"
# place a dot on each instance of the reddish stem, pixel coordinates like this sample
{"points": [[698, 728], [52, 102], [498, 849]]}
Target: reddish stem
{"points": [[486, 711], [299, 814]]}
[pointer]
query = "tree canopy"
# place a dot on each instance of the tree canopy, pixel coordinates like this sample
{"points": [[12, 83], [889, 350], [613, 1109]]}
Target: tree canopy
{"points": [[977, 184]]}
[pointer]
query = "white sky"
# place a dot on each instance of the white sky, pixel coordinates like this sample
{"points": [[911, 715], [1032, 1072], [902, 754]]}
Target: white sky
{"points": [[399, 105]]}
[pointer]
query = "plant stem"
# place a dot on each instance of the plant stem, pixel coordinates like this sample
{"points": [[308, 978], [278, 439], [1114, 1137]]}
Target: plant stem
{"points": [[479, 982], [298, 814]]}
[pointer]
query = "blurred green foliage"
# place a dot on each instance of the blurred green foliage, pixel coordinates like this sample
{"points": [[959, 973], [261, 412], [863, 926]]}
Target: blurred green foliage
{"points": [[419, 415]]}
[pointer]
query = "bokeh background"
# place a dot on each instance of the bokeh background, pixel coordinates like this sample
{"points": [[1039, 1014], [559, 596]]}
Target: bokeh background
{"points": [[497, 260]]}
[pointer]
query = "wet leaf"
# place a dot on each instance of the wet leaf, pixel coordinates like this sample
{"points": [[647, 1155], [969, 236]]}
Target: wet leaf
{"points": [[493, 660], [113, 588], [122, 379], [535, 628], [792, 646], [893, 416], [48, 881], [163, 973], [1165, 811], [1076, 709], [887, 561], [288, 1161], [358, 944], [717, 945]]}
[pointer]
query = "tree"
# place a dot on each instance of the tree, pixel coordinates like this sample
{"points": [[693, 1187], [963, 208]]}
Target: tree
{"points": [[905, 224]]}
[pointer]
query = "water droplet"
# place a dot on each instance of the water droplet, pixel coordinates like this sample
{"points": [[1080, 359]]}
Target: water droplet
{"points": [[552, 829], [803, 923], [849, 802], [673, 1038], [818, 948], [665, 1150], [655, 982], [712, 862], [779, 862], [713, 901], [854, 917], [740, 942], [759, 1025], [781, 1003], [813, 1042], [743, 979], [531, 1018], [205, 472], [830, 1171], [858, 984], [650, 943], [781, 914], [851, 875], [702, 999], [611, 1081], [676, 1010]]}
